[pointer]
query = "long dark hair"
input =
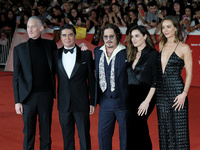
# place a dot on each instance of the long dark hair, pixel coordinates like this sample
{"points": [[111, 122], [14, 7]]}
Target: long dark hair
{"points": [[131, 49], [178, 33], [143, 5], [191, 11], [181, 11]]}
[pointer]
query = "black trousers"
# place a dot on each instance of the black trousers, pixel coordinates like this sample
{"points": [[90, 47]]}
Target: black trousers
{"points": [[138, 137], [67, 122], [38, 104]]}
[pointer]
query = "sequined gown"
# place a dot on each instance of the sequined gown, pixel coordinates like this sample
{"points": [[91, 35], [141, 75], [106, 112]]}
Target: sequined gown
{"points": [[173, 125]]}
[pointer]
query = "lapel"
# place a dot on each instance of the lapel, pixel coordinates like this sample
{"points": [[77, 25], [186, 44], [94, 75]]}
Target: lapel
{"points": [[60, 64], [144, 56], [78, 61], [49, 55], [120, 62], [98, 55], [27, 58], [76, 65]]}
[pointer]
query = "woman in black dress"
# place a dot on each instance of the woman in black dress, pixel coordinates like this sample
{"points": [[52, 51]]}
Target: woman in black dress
{"points": [[142, 71], [171, 93]]}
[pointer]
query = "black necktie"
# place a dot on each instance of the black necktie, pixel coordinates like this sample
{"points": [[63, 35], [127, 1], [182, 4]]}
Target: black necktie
{"points": [[69, 50]]}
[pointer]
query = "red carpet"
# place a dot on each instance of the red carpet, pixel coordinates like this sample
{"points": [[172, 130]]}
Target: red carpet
{"points": [[11, 125]]}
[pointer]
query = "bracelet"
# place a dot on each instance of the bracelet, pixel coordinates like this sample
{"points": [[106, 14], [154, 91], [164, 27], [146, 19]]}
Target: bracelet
{"points": [[185, 92]]}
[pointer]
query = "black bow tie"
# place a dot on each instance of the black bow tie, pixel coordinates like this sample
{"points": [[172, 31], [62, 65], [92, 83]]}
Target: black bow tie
{"points": [[69, 50]]}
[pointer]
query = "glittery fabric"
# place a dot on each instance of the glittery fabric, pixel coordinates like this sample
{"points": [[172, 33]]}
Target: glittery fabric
{"points": [[173, 125]]}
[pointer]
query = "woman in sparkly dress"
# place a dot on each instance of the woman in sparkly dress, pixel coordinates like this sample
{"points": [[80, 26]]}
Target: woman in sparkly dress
{"points": [[171, 92]]}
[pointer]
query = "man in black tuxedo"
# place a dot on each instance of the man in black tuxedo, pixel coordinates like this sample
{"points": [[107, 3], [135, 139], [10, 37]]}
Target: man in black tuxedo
{"points": [[33, 83], [76, 82]]}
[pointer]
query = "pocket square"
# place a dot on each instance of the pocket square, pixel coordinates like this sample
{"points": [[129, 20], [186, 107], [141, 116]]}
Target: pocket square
{"points": [[126, 60], [83, 63]]}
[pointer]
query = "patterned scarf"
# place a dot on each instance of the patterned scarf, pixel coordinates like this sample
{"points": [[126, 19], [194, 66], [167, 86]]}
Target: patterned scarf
{"points": [[102, 76]]}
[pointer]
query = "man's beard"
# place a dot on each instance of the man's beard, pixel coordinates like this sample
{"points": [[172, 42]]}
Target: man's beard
{"points": [[110, 46]]}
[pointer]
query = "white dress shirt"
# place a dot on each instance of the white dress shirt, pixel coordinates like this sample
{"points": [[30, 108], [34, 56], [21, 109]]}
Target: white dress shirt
{"points": [[68, 61]]}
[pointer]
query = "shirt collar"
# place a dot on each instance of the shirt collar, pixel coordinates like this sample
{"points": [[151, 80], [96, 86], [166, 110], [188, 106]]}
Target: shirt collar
{"points": [[116, 50], [145, 49], [70, 48]]}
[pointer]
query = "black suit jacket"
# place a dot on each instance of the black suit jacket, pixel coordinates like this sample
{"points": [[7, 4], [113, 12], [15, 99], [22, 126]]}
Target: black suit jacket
{"points": [[74, 91], [22, 77]]}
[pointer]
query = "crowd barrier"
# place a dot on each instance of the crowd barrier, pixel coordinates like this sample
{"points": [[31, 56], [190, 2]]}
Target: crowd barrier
{"points": [[193, 40], [4, 49]]}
